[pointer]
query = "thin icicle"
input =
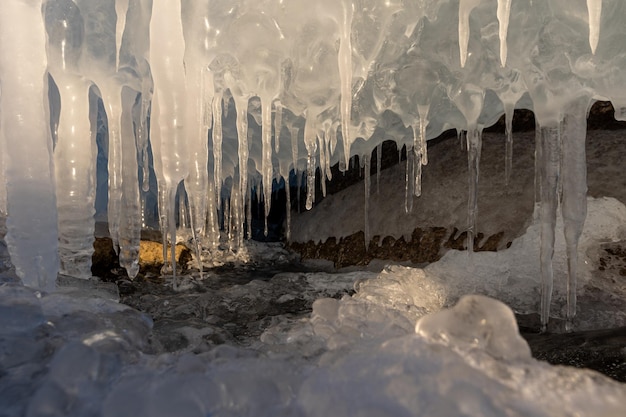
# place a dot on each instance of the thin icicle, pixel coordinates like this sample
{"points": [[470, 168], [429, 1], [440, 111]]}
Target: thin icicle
{"points": [[508, 158], [503, 13], [294, 146], [288, 209], [249, 213], [417, 162], [266, 162], [323, 162], [121, 7], [550, 176], [345, 75], [538, 161], [278, 124], [379, 164], [217, 145], [212, 230], [409, 185], [474, 145], [241, 103], [366, 161], [310, 140], [574, 203], [594, 8], [423, 123]]}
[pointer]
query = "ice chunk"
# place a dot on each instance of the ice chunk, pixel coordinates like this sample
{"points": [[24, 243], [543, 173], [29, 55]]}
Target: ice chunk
{"points": [[477, 322]]}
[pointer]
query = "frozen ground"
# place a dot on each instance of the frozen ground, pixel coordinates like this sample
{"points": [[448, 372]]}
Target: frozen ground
{"points": [[374, 344]]}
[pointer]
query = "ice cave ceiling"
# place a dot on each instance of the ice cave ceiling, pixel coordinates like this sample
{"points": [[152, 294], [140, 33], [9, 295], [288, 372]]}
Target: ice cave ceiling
{"points": [[201, 91]]}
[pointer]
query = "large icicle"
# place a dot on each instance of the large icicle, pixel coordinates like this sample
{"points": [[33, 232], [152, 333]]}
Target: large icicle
{"points": [[465, 8], [112, 98], [130, 210], [121, 7], [25, 123], [503, 13], [74, 157], [550, 144], [574, 182], [75, 151], [167, 47], [594, 8]]}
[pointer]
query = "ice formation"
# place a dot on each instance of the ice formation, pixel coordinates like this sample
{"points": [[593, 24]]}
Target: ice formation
{"points": [[337, 77]]}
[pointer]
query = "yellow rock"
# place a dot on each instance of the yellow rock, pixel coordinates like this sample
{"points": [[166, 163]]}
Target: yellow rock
{"points": [[151, 254]]}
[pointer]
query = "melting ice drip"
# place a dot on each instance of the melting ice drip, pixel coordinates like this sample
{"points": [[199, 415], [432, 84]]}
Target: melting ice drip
{"points": [[208, 85]]}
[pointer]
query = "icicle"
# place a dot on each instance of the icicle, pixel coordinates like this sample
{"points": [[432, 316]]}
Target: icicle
{"points": [[366, 160], [574, 203], [503, 13], [278, 124], [379, 164], [465, 8], [508, 159], [74, 168], [322, 147], [594, 8], [299, 189], [249, 213], [345, 75], [329, 143], [417, 162], [212, 231], [121, 7], [294, 146], [183, 210], [538, 161], [409, 185], [130, 210], [288, 209], [217, 145], [266, 165], [310, 140], [423, 123], [474, 145], [241, 103], [167, 46], [550, 176], [112, 98], [3, 181]]}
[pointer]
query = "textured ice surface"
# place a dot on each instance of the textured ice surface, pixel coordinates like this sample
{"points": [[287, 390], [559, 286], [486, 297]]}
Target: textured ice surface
{"points": [[73, 354]]}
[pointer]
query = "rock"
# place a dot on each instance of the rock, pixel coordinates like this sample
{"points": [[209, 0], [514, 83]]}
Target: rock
{"points": [[106, 266]]}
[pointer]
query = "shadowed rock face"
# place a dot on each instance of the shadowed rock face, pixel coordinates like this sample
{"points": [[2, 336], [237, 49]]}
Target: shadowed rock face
{"points": [[425, 246], [439, 215]]}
